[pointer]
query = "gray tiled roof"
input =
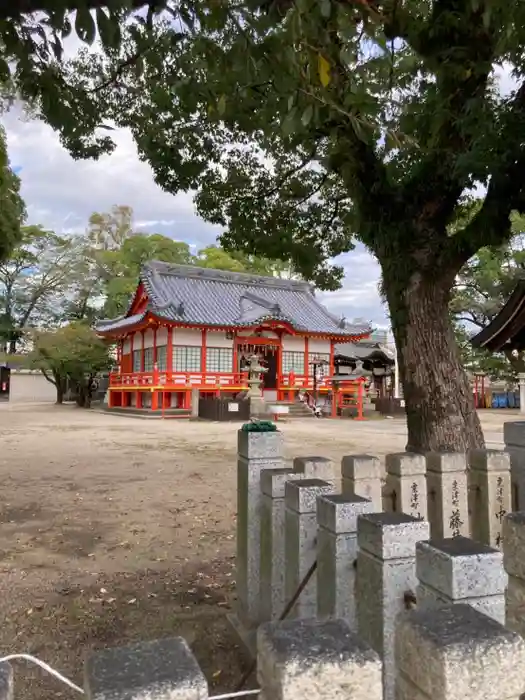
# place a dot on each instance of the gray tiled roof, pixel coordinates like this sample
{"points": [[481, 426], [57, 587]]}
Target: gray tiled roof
{"points": [[203, 296], [363, 350]]}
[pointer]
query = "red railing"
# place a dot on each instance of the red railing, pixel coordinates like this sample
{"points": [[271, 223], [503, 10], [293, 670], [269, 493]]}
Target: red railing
{"points": [[179, 380]]}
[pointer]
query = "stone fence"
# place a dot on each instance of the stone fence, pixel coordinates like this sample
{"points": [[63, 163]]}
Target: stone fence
{"points": [[411, 580]]}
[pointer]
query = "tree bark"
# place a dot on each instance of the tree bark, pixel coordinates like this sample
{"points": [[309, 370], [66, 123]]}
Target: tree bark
{"points": [[60, 395], [438, 398]]}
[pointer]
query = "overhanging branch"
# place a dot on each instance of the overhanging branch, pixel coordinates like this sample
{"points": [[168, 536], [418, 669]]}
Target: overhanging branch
{"points": [[506, 192]]}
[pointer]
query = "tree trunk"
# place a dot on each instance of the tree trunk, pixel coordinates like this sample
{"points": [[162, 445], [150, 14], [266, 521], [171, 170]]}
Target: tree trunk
{"points": [[60, 394], [438, 396]]}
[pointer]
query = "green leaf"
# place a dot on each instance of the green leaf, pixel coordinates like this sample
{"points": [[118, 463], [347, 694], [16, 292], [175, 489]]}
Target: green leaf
{"points": [[85, 25], [109, 30], [288, 124], [221, 104], [307, 115], [324, 71], [326, 8]]}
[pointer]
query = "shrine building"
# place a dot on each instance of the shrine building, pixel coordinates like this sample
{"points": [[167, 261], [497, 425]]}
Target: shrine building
{"points": [[195, 328]]}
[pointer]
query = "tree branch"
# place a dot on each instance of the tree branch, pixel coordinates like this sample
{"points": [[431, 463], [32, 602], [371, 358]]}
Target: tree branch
{"points": [[506, 192]]}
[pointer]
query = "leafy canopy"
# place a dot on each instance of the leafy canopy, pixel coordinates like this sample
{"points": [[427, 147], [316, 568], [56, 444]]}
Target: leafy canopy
{"points": [[12, 207], [302, 122], [34, 282], [72, 351]]}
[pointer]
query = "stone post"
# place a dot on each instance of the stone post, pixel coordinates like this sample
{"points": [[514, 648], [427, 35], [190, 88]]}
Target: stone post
{"points": [[514, 438], [521, 379], [459, 570], [272, 541], [447, 494], [257, 451], [386, 570], [316, 660], [513, 540], [161, 670], [489, 494], [6, 682], [315, 468], [337, 555], [195, 396], [361, 476], [406, 483], [300, 541], [457, 653]]}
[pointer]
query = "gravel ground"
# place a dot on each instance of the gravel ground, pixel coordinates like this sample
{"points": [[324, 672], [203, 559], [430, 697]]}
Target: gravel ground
{"points": [[115, 529]]}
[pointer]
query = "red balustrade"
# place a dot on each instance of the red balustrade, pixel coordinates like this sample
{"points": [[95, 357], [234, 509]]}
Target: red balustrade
{"points": [[178, 380]]}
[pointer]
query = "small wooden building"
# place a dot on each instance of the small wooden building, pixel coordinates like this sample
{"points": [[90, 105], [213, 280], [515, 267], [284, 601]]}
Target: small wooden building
{"points": [[506, 331], [194, 328]]}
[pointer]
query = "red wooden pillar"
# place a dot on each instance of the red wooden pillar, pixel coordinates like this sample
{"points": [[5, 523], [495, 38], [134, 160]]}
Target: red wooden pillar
{"points": [[235, 367], [155, 393], [154, 347], [131, 351], [169, 350], [203, 350], [306, 358]]}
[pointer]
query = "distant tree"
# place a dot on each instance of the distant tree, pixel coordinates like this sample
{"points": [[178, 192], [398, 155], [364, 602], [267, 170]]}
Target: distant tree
{"points": [[482, 288], [71, 352], [215, 256], [33, 283]]}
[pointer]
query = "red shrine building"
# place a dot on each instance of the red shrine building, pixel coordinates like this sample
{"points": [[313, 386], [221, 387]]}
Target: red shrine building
{"points": [[195, 328]]}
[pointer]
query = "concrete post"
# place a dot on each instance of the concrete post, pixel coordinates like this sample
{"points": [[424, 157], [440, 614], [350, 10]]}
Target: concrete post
{"points": [[514, 439], [300, 541], [161, 670], [489, 494], [7, 691], [457, 653], [361, 476], [337, 555], [385, 572], [315, 468], [272, 541], [195, 396], [459, 570], [406, 483], [257, 451], [513, 539], [447, 494], [317, 660]]}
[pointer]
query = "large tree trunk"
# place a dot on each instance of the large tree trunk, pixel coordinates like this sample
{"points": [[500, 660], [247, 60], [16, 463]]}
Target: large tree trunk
{"points": [[438, 397]]}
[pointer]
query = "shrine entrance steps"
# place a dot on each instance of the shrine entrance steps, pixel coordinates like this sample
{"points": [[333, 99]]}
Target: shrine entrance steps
{"points": [[296, 409]]}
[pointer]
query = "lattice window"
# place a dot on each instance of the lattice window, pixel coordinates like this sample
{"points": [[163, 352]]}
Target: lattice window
{"points": [[292, 362], [186, 358], [148, 359], [219, 360], [137, 360], [162, 358], [322, 370]]}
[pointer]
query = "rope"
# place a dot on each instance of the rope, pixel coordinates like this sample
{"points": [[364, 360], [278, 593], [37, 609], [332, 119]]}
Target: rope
{"points": [[43, 665], [282, 617]]}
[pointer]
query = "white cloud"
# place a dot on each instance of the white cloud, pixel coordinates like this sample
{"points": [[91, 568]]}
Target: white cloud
{"points": [[61, 194]]}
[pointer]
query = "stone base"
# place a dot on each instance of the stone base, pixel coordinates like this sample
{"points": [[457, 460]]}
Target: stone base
{"points": [[246, 635]]}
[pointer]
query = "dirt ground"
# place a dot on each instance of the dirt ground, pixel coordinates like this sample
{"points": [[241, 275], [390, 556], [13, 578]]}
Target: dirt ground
{"points": [[115, 529]]}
